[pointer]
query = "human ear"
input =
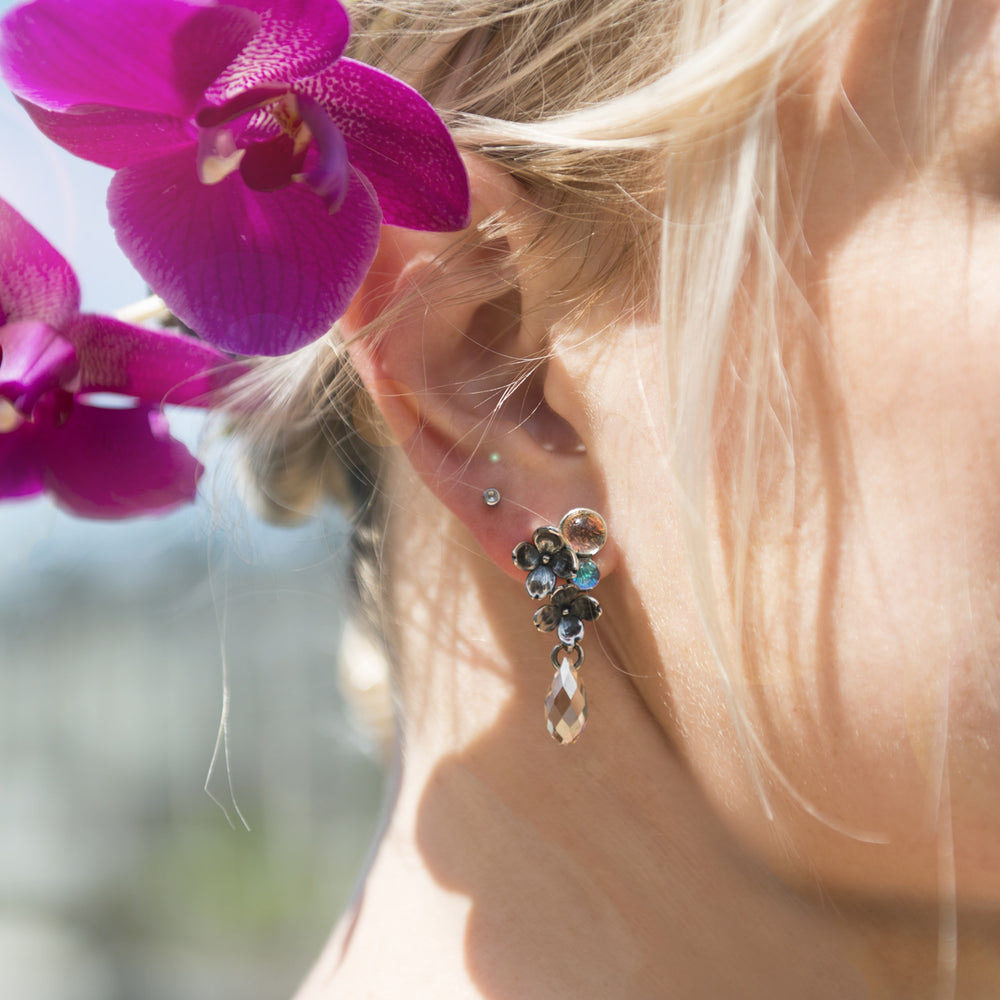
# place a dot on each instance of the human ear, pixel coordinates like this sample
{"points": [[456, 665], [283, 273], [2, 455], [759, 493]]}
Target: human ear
{"points": [[451, 336]]}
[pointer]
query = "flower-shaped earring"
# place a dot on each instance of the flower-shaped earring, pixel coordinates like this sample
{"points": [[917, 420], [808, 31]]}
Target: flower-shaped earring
{"points": [[546, 559], [567, 613], [565, 553]]}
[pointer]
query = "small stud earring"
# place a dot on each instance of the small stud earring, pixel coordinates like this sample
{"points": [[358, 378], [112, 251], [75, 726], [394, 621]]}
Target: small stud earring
{"points": [[565, 553], [491, 497]]}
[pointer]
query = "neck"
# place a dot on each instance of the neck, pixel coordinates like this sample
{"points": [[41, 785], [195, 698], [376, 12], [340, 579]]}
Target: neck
{"points": [[513, 867], [511, 872]]}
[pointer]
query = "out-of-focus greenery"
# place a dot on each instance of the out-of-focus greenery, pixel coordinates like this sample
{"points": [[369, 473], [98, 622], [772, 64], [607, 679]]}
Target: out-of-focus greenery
{"points": [[120, 878]]}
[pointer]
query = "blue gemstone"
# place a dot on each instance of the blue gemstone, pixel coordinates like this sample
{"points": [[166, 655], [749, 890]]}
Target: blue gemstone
{"points": [[588, 575]]}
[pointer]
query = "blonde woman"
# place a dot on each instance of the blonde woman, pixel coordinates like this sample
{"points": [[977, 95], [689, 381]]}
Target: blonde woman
{"points": [[731, 284]]}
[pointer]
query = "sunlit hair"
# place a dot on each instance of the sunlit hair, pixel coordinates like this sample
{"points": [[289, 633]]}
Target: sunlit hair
{"points": [[655, 121], [651, 131], [655, 124]]}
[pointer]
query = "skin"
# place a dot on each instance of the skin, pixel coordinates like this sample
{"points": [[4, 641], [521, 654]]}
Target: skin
{"points": [[874, 681], [845, 841]]}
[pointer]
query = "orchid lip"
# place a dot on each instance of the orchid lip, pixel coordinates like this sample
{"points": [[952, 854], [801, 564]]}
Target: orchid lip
{"points": [[270, 164]]}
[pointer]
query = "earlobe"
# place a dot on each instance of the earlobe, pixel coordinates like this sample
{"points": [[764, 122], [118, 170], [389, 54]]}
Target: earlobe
{"points": [[443, 337]]}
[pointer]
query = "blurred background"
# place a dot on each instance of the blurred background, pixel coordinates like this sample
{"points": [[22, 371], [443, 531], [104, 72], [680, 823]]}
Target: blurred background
{"points": [[136, 862]]}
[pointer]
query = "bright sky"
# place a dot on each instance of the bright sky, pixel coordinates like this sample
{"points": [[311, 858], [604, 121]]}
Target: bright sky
{"points": [[63, 197]]}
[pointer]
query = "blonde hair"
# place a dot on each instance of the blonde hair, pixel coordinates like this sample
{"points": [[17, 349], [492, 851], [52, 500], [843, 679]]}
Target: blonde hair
{"points": [[656, 120], [658, 123]]}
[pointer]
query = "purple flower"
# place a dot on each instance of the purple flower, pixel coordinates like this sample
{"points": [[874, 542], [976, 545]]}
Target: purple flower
{"points": [[254, 165], [96, 460]]}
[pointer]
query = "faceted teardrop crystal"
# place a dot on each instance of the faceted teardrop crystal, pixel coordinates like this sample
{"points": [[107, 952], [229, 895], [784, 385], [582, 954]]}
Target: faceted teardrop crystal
{"points": [[566, 703]]}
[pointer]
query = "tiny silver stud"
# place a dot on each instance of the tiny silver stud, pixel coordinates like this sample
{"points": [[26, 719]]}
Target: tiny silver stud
{"points": [[491, 497]]}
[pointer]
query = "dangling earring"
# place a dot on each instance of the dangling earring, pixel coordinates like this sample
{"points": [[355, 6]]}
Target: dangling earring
{"points": [[565, 553]]}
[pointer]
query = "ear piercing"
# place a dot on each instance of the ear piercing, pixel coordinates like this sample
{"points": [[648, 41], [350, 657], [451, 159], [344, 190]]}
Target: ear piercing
{"points": [[491, 497], [564, 553]]}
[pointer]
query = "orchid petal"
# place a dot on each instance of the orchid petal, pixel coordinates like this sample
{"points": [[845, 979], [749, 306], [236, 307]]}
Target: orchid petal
{"points": [[155, 366], [112, 137], [22, 471], [251, 273], [35, 360], [109, 463], [63, 53], [398, 141], [36, 283], [296, 38]]}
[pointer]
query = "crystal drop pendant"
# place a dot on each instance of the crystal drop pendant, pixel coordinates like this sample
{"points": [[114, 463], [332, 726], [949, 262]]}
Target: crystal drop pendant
{"points": [[566, 703]]}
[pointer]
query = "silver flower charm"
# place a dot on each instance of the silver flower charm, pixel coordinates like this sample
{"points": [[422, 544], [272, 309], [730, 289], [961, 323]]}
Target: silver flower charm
{"points": [[546, 559], [566, 614]]}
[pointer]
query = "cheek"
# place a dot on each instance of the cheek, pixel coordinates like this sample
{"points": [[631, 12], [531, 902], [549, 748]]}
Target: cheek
{"points": [[873, 631], [871, 637]]}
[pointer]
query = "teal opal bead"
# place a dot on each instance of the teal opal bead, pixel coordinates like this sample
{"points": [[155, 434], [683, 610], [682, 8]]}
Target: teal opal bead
{"points": [[588, 575]]}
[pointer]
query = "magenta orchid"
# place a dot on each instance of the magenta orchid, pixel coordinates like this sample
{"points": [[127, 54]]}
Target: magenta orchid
{"points": [[255, 166], [57, 368]]}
